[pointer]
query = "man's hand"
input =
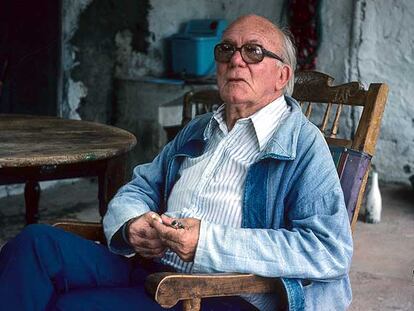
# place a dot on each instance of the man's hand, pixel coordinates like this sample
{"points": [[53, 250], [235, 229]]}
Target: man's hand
{"points": [[144, 238], [181, 241]]}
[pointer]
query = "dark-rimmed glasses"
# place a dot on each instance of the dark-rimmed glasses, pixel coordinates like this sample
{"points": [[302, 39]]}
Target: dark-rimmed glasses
{"points": [[251, 53]]}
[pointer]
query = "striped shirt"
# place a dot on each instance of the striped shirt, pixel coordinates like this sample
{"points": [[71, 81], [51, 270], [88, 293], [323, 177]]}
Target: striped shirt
{"points": [[210, 187]]}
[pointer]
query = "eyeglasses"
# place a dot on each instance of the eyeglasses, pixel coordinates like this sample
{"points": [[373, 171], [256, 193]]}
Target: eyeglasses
{"points": [[251, 53]]}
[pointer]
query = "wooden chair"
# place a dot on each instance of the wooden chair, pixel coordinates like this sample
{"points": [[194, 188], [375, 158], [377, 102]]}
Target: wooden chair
{"points": [[199, 102], [352, 156]]}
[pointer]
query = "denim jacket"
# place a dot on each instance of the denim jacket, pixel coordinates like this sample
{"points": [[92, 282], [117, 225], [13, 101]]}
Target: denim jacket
{"points": [[294, 221]]}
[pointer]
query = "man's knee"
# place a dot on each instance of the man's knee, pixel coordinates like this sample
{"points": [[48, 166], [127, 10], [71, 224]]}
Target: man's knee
{"points": [[36, 231], [32, 233], [33, 241]]}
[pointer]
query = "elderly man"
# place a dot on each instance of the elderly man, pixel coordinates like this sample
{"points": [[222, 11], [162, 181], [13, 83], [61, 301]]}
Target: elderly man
{"points": [[251, 188]]}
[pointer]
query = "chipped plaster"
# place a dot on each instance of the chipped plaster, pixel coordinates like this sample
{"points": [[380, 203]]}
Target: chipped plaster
{"points": [[73, 91], [386, 54]]}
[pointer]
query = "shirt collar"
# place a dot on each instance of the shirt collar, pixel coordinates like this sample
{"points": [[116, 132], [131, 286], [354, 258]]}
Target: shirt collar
{"points": [[264, 121], [218, 119]]}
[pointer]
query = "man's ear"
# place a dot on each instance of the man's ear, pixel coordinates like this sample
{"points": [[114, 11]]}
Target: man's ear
{"points": [[284, 75]]}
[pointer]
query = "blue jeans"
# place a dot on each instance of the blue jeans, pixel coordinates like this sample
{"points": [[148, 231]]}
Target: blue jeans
{"points": [[45, 268]]}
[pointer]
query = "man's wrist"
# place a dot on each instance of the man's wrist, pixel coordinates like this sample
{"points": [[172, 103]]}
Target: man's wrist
{"points": [[125, 230]]}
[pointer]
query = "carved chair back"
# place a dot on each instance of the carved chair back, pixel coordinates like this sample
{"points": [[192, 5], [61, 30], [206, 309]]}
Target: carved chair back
{"points": [[358, 112], [315, 88]]}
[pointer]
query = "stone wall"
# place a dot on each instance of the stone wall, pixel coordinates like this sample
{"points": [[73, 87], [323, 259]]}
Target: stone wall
{"points": [[90, 52], [127, 39], [372, 41], [105, 55], [72, 91], [385, 53]]}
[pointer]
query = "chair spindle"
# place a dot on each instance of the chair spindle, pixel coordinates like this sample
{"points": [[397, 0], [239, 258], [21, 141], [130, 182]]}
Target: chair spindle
{"points": [[325, 117], [335, 124], [308, 110]]}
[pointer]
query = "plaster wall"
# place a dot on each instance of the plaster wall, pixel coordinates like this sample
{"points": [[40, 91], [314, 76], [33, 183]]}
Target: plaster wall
{"points": [[363, 40], [136, 101], [100, 42], [372, 41], [385, 53], [180, 11], [73, 91], [336, 37], [166, 19], [106, 40], [366, 40]]}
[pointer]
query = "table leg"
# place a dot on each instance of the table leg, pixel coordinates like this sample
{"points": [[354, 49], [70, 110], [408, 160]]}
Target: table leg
{"points": [[110, 181], [31, 197]]}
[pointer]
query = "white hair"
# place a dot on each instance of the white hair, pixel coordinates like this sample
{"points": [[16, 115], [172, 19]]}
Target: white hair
{"points": [[289, 56]]}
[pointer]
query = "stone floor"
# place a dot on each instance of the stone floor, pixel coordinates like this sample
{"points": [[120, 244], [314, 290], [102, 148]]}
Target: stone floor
{"points": [[382, 269]]}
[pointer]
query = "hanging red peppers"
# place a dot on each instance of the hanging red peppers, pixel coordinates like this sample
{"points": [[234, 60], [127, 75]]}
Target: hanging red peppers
{"points": [[304, 24]]}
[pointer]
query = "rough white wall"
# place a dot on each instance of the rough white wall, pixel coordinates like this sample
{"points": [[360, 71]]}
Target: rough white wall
{"points": [[165, 19], [369, 40], [141, 116], [366, 40], [73, 91], [335, 40], [334, 52], [373, 41], [386, 54]]}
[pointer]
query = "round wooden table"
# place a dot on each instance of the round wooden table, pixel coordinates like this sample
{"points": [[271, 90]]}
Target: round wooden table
{"points": [[38, 148]]}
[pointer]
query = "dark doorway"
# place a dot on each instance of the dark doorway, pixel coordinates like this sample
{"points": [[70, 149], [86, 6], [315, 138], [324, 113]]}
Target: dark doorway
{"points": [[29, 56]]}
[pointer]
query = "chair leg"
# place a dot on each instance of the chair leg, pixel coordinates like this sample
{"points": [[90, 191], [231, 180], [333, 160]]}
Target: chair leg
{"points": [[192, 304], [32, 196], [110, 181]]}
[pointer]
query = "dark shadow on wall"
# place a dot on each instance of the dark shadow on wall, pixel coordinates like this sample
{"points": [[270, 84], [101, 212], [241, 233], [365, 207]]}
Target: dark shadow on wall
{"points": [[29, 56], [95, 42]]}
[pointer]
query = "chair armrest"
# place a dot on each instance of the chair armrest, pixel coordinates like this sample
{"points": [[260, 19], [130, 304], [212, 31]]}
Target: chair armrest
{"points": [[88, 230], [168, 288]]}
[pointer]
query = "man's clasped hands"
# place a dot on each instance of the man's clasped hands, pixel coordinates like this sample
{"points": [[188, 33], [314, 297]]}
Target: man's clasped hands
{"points": [[151, 235]]}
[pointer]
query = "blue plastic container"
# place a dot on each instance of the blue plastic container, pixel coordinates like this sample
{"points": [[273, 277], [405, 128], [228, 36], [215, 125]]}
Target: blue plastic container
{"points": [[193, 49]]}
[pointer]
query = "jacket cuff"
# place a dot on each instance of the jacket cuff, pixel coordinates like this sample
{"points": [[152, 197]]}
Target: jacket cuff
{"points": [[119, 241], [201, 258]]}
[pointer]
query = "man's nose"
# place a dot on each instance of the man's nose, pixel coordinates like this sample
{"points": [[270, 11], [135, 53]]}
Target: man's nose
{"points": [[237, 59]]}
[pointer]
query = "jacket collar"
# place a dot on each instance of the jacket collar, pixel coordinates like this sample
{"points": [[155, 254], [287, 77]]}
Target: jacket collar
{"points": [[283, 144]]}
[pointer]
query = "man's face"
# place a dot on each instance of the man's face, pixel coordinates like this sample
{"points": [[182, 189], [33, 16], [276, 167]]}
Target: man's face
{"points": [[253, 84]]}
